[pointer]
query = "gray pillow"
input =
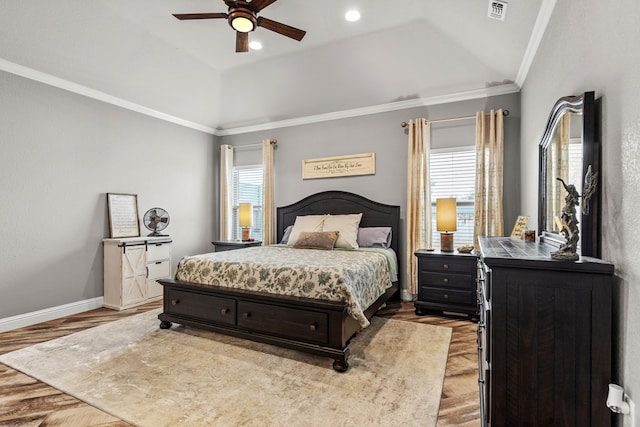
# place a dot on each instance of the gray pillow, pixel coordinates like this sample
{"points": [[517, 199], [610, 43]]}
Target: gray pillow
{"points": [[286, 234], [374, 237]]}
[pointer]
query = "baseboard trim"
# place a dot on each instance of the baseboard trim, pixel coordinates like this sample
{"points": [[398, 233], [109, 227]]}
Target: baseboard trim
{"points": [[28, 319]]}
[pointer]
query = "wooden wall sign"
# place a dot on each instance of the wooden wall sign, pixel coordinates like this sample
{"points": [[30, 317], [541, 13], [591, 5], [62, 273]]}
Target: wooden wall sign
{"points": [[331, 167]]}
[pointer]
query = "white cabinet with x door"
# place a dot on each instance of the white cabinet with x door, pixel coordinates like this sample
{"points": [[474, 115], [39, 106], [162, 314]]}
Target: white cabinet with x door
{"points": [[131, 267]]}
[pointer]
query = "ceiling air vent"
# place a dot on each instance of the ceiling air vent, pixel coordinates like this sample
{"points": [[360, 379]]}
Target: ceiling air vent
{"points": [[497, 9]]}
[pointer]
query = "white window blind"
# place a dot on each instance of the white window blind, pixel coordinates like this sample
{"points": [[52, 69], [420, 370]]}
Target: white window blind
{"points": [[247, 188], [453, 174]]}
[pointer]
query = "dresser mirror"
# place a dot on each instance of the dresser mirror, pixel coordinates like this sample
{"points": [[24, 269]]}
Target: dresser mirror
{"points": [[567, 148]]}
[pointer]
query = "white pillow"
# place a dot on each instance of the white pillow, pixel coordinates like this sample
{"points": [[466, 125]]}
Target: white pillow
{"points": [[347, 225], [308, 223]]}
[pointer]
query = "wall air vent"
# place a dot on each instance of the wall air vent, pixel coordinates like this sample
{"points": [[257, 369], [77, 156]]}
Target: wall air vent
{"points": [[497, 9]]}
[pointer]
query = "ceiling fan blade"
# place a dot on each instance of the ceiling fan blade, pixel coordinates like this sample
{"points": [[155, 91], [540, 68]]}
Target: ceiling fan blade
{"points": [[258, 5], [184, 16], [281, 28], [242, 42]]}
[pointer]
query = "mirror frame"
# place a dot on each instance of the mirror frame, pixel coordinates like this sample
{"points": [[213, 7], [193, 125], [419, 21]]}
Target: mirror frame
{"points": [[590, 223]]}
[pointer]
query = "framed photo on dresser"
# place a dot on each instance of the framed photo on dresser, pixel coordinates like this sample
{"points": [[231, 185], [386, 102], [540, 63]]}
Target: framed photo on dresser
{"points": [[123, 215]]}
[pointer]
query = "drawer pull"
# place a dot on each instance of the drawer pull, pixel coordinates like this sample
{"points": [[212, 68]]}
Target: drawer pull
{"points": [[313, 327], [224, 311], [445, 266], [445, 280], [175, 301], [158, 262], [246, 315], [446, 296]]}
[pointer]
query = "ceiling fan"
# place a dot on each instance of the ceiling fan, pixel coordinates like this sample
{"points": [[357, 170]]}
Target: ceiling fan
{"points": [[243, 17]]}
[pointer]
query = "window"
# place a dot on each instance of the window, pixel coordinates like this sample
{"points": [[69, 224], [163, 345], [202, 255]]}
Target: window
{"points": [[453, 174], [247, 188]]}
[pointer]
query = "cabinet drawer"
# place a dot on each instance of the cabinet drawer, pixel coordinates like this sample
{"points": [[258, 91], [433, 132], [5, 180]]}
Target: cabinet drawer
{"points": [[208, 307], [158, 251], [448, 264], [446, 280], [159, 269], [447, 296], [287, 322]]}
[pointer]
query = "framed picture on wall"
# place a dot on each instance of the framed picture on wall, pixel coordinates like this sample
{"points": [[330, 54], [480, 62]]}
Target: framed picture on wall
{"points": [[123, 215]]}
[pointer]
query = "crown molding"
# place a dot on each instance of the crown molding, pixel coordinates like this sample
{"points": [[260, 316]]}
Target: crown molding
{"points": [[51, 80], [375, 109], [539, 28], [48, 79]]}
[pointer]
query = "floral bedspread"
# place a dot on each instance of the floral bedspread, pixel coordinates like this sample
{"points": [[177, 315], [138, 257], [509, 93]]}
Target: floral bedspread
{"points": [[352, 276]]}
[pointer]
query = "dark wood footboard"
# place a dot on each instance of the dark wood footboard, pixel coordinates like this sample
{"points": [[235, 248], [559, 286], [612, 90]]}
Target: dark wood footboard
{"points": [[314, 326]]}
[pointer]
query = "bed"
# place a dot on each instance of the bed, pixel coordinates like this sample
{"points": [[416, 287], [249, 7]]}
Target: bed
{"points": [[314, 325]]}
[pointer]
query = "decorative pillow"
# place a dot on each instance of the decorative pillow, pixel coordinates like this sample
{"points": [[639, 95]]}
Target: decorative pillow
{"points": [[286, 234], [374, 237], [316, 240], [348, 226], [305, 223]]}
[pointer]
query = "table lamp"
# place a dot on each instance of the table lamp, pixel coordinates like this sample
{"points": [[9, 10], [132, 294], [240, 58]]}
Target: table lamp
{"points": [[446, 222], [245, 219]]}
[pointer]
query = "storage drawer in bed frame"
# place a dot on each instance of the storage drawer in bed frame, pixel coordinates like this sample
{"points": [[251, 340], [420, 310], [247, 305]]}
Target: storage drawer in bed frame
{"points": [[201, 306], [290, 322]]}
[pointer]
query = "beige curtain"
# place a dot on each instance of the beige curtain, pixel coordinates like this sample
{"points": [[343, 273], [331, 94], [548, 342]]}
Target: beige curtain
{"points": [[418, 198], [489, 158], [226, 191], [558, 167], [268, 208]]}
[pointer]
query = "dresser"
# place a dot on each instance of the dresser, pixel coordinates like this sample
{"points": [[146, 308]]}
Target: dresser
{"points": [[544, 336], [230, 245], [446, 282], [131, 267]]}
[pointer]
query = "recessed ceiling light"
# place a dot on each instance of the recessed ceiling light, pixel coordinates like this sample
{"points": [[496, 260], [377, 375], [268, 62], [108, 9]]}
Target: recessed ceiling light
{"points": [[352, 15], [255, 45]]}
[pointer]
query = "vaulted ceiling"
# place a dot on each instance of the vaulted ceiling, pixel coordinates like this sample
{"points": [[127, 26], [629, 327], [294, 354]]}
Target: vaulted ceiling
{"points": [[136, 53]]}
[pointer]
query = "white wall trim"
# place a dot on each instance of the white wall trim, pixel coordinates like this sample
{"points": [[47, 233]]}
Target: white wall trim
{"points": [[51, 80], [28, 319], [539, 28], [382, 108]]}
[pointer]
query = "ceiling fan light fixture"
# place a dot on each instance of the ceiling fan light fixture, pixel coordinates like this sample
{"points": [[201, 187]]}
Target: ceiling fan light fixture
{"points": [[242, 24], [242, 20]]}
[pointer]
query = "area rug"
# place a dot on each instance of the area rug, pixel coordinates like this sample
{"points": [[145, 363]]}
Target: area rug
{"points": [[182, 376]]}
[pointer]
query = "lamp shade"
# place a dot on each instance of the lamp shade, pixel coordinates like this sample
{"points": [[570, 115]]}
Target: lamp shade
{"points": [[446, 214], [245, 218]]}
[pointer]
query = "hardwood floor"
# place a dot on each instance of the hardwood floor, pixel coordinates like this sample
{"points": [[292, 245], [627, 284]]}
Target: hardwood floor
{"points": [[25, 401]]}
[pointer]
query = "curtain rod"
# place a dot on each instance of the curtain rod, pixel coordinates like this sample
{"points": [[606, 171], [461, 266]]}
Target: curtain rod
{"points": [[452, 119], [237, 147]]}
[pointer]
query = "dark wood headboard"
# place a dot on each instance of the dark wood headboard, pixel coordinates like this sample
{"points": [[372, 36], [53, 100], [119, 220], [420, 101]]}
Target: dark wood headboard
{"points": [[374, 214]]}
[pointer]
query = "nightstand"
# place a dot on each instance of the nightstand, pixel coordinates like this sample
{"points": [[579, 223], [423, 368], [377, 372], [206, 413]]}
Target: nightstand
{"points": [[230, 245], [447, 282]]}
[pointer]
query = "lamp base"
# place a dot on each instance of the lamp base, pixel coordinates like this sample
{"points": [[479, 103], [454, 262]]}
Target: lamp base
{"points": [[245, 234], [446, 242]]}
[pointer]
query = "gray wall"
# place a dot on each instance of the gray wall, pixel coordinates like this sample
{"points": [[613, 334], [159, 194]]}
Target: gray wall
{"points": [[592, 45], [382, 134], [59, 154]]}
